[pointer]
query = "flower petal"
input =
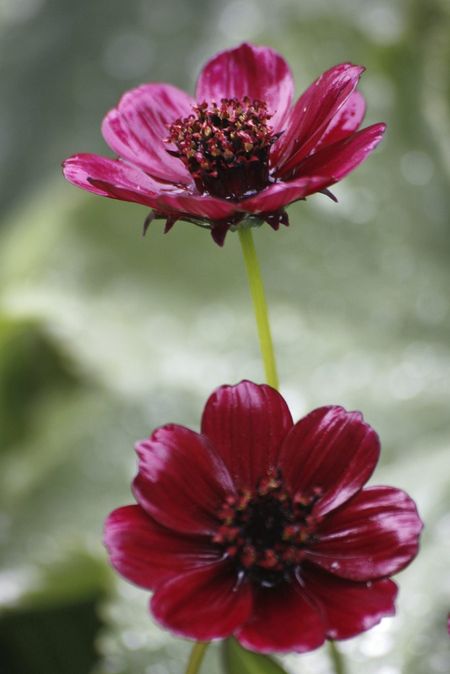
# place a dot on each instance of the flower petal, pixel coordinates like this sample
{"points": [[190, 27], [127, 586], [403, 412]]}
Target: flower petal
{"points": [[283, 619], [181, 482], [137, 128], [282, 193], [346, 121], [197, 205], [148, 554], [111, 178], [349, 608], [337, 160], [312, 114], [331, 449], [246, 424], [203, 604], [257, 72], [374, 534]]}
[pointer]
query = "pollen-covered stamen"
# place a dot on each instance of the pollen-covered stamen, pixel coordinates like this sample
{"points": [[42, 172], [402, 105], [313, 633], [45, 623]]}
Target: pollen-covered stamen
{"points": [[265, 531], [225, 146]]}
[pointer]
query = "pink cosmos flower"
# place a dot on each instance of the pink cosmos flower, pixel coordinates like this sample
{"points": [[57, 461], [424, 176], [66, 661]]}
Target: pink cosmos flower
{"points": [[261, 528], [237, 151]]}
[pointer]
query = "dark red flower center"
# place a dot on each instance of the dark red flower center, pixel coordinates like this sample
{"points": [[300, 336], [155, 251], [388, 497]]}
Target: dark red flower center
{"points": [[265, 532], [225, 146]]}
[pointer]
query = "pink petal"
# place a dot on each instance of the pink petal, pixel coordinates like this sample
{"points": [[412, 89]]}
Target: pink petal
{"points": [[337, 160], [283, 619], [197, 205], [346, 121], [148, 554], [312, 114], [203, 604], [374, 534], [111, 178], [246, 424], [331, 449], [181, 482], [137, 128], [349, 608], [281, 194], [257, 72]]}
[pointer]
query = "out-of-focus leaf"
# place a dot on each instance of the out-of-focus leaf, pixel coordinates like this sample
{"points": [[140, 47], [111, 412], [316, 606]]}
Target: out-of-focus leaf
{"points": [[54, 627], [238, 660], [75, 576], [32, 366], [52, 640]]}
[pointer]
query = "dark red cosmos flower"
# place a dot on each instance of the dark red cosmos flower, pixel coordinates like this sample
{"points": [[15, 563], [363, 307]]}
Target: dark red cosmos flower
{"points": [[239, 151], [261, 528]]}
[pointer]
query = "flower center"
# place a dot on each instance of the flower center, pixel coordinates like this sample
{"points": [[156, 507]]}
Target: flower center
{"points": [[266, 532], [225, 146]]}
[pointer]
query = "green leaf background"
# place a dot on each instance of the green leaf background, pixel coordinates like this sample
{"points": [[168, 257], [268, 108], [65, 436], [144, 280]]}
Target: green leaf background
{"points": [[105, 335]]}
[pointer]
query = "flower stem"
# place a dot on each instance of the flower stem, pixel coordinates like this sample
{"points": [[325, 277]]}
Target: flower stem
{"points": [[259, 305], [266, 346], [336, 658], [196, 657]]}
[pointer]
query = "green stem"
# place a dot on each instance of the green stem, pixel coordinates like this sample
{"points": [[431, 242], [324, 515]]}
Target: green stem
{"points": [[336, 658], [259, 305], [266, 346], [196, 657]]}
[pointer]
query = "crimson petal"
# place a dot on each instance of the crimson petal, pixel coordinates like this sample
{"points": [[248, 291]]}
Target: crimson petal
{"points": [[349, 608], [257, 72], [137, 128], [281, 194], [337, 160], [246, 424], [111, 178], [283, 619], [331, 449], [374, 534], [197, 205], [203, 604], [312, 114], [148, 554], [346, 121], [181, 482]]}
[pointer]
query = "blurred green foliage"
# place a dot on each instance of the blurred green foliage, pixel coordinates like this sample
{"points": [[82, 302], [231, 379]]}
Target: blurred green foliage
{"points": [[105, 335], [31, 369]]}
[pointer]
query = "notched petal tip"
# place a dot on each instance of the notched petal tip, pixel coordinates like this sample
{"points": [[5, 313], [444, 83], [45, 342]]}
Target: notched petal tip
{"points": [[333, 450], [249, 70], [283, 620], [246, 425], [373, 535], [350, 608], [136, 129], [168, 487]]}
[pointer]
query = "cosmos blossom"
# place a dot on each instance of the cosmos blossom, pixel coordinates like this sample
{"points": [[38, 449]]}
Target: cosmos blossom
{"points": [[261, 528], [239, 151]]}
